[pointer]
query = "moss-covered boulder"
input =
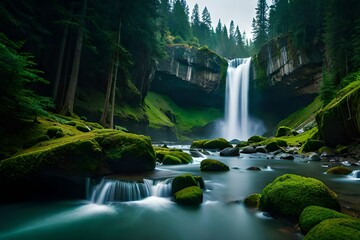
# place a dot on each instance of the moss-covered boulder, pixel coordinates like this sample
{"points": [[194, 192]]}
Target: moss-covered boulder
{"points": [[126, 152], [283, 131], [335, 228], [313, 215], [252, 201], [171, 160], [161, 152], [190, 196], [275, 144], [256, 139], [213, 165], [339, 170], [199, 143], [288, 195], [218, 143], [312, 145], [339, 121], [55, 132], [183, 181]]}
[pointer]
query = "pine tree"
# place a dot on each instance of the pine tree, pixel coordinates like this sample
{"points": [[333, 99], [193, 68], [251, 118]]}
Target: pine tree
{"points": [[179, 23], [260, 24]]}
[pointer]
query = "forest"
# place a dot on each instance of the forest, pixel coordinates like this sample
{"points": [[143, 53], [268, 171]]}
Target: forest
{"points": [[112, 111]]}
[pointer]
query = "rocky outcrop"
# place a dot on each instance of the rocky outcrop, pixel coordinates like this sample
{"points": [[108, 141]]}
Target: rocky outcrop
{"points": [[191, 75], [339, 121]]}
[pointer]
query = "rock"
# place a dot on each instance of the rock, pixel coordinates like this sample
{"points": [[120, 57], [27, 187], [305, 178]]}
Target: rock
{"points": [[190, 196], [171, 160], [248, 150], [183, 181], [198, 143], [283, 131], [213, 165], [55, 132], [83, 128], [338, 122], [254, 169], [326, 152], [275, 144], [256, 139], [242, 144], [312, 145], [288, 195], [335, 228], [252, 201], [235, 141], [286, 156], [178, 153], [230, 152], [260, 149], [200, 181], [195, 153], [313, 215], [339, 170], [314, 157], [218, 143]]}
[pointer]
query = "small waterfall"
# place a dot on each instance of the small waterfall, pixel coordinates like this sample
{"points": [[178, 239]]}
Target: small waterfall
{"points": [[113, 190], [236, 102]]}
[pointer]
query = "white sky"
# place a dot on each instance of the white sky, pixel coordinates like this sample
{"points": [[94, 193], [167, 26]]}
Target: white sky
{"points": [[240, 11]]}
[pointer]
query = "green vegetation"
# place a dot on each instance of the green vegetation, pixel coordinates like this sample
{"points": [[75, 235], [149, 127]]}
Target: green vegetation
{"points": [[335, 228], [283, 131], [213, 165], [256, 139], [312, 145], [183, 181], [275, 144], [339, 170], [252, 201], [313, 215], [162, 153], [190, 196], [289, 194]]}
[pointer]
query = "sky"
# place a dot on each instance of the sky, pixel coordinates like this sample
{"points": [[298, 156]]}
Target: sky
{"points": [[240, 11]]}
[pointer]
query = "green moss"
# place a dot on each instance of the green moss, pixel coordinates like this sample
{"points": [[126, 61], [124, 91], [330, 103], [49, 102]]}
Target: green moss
{"points": [[200, 181], [213, 165], [335, 228], [275, 144], [313, 215], [190, 196], [256, 139], [183, 181], [55, 132], [218, 143], [312, 145], [283, 131], [199, 143], [178, 153], [171, 160], [83, 128], [289, 194], [242, 144], [252, 201], [339, 170]]}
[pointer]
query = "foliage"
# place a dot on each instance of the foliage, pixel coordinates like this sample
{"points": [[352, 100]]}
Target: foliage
{"points": [[289, 194], [213, 165], [260, 24]]}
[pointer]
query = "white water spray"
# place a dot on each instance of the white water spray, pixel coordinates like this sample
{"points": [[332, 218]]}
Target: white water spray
{"points": [[236, 102]]}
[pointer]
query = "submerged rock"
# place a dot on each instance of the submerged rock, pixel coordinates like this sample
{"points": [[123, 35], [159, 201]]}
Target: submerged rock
{"points": [[254, 168], [288, 195]]}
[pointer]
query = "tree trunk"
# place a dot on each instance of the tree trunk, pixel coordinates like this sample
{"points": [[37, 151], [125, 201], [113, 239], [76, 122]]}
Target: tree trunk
{"points": [[104, 116], [60, 64], [68, 106]]}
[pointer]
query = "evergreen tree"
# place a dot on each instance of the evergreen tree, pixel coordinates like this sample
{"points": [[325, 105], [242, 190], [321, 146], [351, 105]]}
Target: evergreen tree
{"points": [[179, 23], [260, 24], [195, 21]]}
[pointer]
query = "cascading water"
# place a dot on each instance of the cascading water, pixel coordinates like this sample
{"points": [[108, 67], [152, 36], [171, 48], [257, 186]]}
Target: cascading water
{"points": [[236, 102], [114, 190]]}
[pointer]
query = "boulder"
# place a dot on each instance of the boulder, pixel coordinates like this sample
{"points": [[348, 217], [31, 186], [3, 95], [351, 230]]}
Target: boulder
{"points": [[260, 149], [256, 139], [275, 144], [213, 165], [254, 168], [314, 157], [335, 228], [248, 150], [161, 152], [313, 215], [286, 156], [183, 181], [218, 143], [283, 131], [190, 196], [338, 122], [198, 143], [171, 160], [230, 152], [252, 201], [339, 170], [312, 145], [288, 195]]}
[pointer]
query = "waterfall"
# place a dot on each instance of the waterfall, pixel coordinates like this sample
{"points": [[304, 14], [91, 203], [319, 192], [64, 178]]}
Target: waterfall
{"points": [[114, 190], [236, 102]]}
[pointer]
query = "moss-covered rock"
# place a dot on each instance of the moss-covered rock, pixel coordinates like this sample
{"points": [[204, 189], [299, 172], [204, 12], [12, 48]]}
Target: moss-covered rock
{"points": [[198, 143], [126, 152], [171, 160], [275, 144], [283, 131], [256, 139], [183, 181], [200, 181], [339, 170], [190, 196], [335, 228], [338, 122], [289, 194], [252, 201], [313, 215], [161, 152], [83, 128], [213, 165], [218, 143], [55, 132], [312, 145], [242, 144]]}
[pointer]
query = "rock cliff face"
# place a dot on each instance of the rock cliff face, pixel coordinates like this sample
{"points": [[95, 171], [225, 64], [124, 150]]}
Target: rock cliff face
{"points": [[287, 78], [191, 76]]}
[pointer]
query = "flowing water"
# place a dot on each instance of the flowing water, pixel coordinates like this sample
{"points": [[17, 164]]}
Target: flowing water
{"points": [[221, 216], [238, 124]]}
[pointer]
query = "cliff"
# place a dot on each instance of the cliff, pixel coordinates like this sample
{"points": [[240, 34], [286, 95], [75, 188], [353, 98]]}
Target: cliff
{"points": [[191, 76]]}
